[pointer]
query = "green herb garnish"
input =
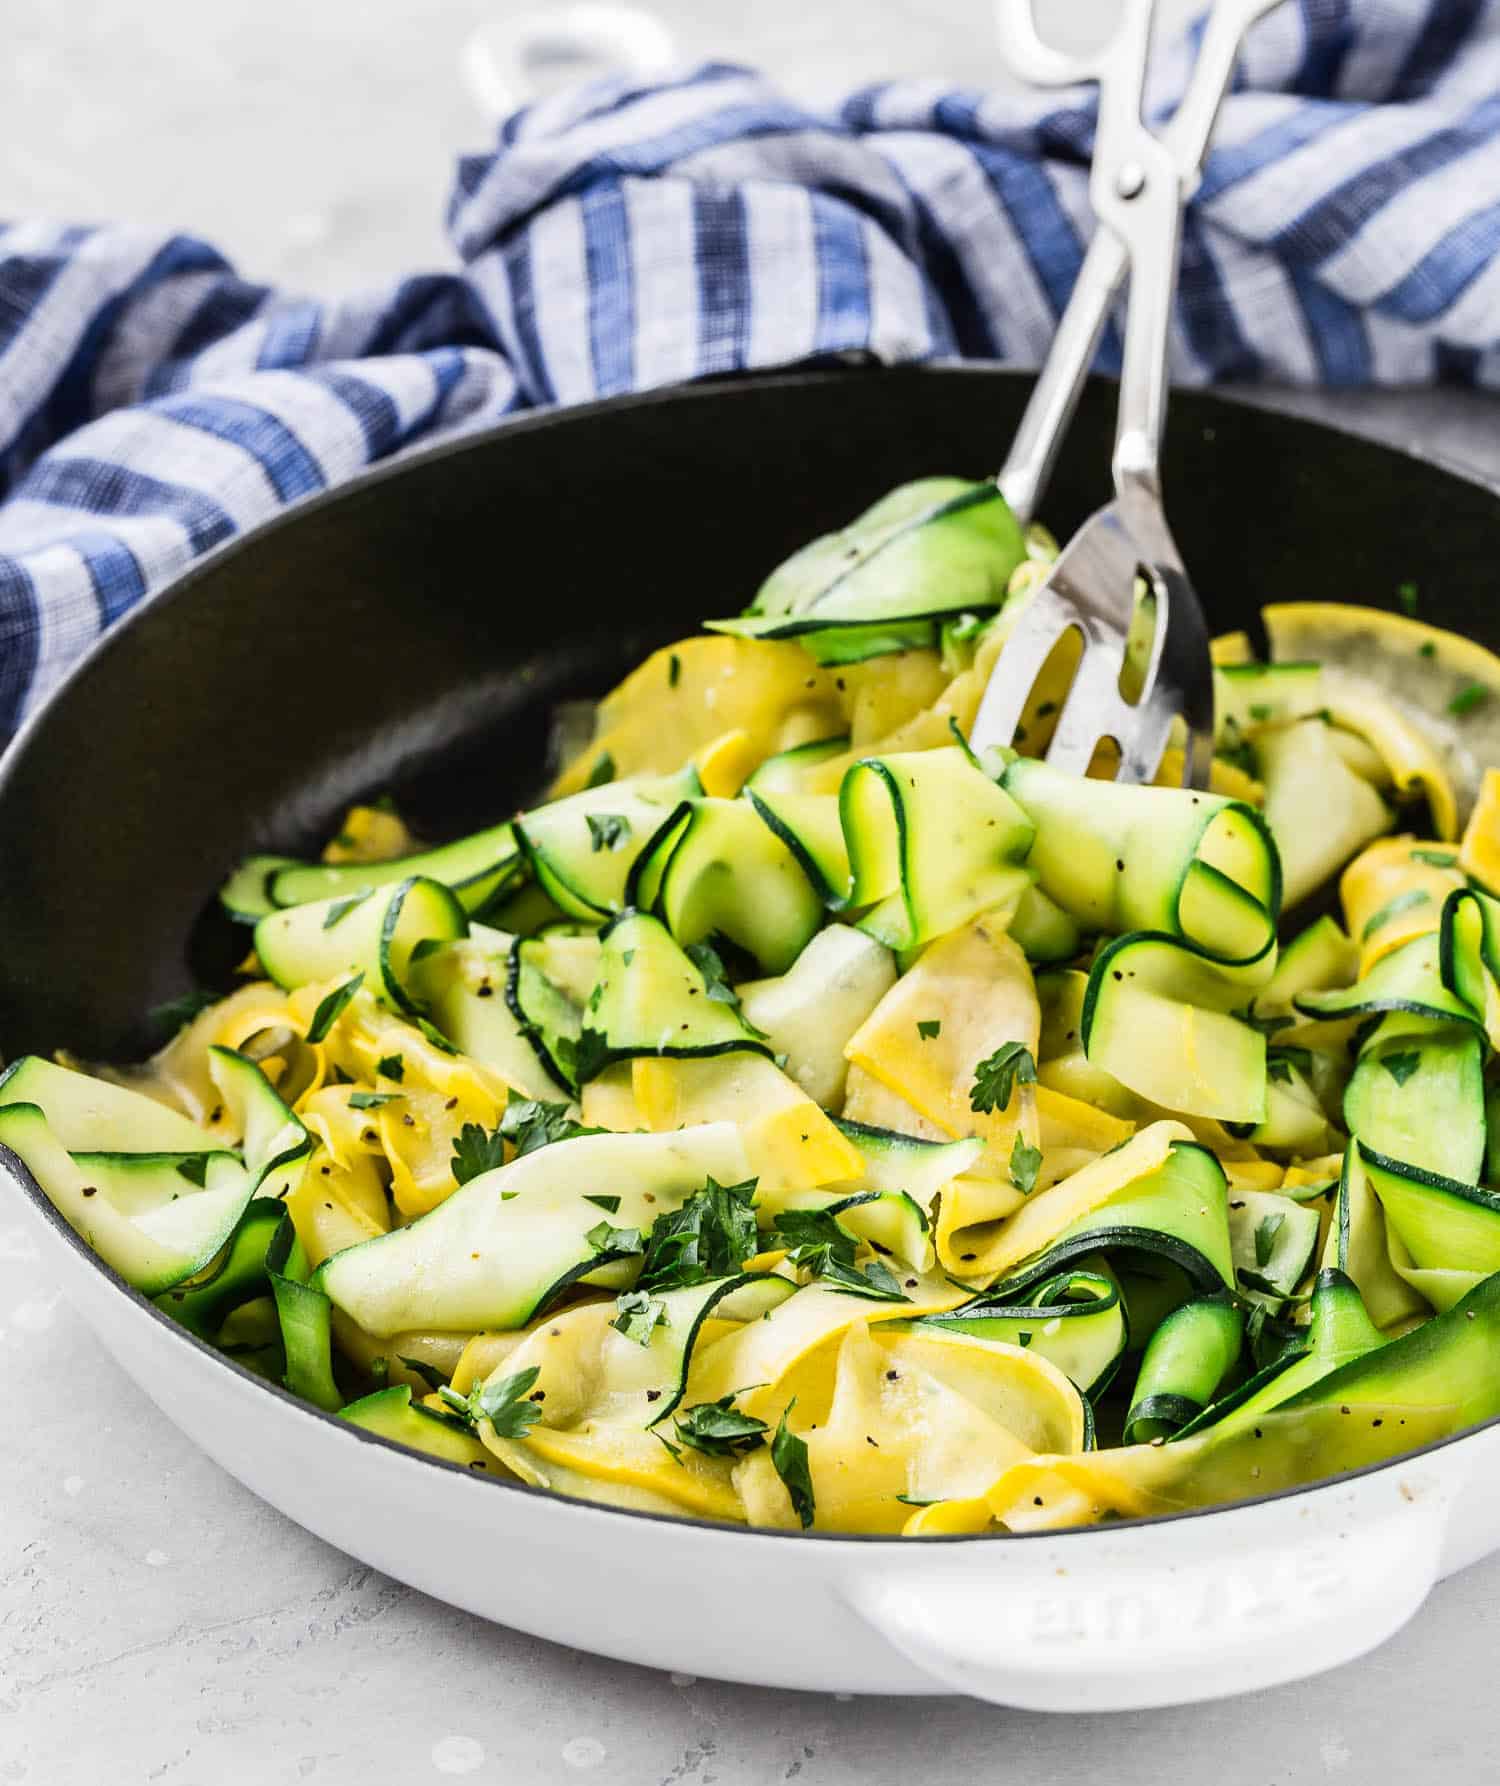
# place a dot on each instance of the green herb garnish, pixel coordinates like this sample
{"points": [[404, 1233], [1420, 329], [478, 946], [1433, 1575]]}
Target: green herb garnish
{"points": [[530, 1123], [789, 1455], [994, 1078], [1253, 1280], [821, 1244], [435, 1036], [1025, 1163], [330, 1009], [708, 961], [674, 670], [370, 1100], [929, 1028], [711, 1235], [1401, 1066], [1472, 695], [475, 1151], [604, 1238], [718, 1429], [341, 908], [609, 830], [1435, 858], [603, 770], [638, 1316], [390, 1066], [503, 1404], [1266, 1231], [1406, 594], [429, 1373]]}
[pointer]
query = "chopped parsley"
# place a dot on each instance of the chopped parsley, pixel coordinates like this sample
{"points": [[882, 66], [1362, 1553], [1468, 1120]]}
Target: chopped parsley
{"points": [[1470, 696], [1428, 648], [711, 1235], [1435, 858], [1406, 594], [370, 1100], [435, 1035], [603, 770], [789, 1455], [609, 830], [821, 1244], [930, 1028], [429, 1373], [1401, 1066], [604, 1238], [674, 670], [530, 1123], [502, 1403], [994, 1078], [1025, 1163], [1266, 1231], [476, 1151], [1253, 1280], [638, 1316], [341, 908], [331, 1008], [390, 1066], [1261, 710], [719, 1429], [708, 961]]}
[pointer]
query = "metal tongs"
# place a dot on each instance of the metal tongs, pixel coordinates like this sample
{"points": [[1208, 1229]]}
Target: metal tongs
{"points": [[1138, 185]]}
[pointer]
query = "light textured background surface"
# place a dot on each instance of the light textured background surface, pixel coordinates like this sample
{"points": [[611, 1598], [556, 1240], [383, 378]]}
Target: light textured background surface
{"points": [[157, 1623]]}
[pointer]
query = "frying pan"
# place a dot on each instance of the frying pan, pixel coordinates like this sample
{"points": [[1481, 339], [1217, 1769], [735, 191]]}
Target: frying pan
{"points": [[411, 632]]}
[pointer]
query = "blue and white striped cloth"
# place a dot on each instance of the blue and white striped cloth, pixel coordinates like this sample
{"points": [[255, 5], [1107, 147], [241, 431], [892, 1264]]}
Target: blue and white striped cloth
{"points": [[619, 237]]}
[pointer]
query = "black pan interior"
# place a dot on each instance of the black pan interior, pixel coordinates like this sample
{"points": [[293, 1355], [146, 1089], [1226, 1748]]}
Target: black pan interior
{"points": [[412, 632]]}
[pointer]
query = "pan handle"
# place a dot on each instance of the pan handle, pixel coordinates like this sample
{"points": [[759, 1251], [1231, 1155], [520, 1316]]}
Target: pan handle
{"points": [[1126, 1617]]}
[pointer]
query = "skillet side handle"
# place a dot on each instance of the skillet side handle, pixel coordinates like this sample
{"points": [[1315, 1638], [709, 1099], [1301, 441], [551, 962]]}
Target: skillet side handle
{"points": [[1124, 1617]]}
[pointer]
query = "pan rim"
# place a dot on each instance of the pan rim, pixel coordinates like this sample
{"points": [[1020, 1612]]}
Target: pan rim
{"points": [[372, 479]]}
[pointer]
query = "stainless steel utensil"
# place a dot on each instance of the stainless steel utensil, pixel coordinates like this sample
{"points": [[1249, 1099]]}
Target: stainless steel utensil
{"points": [[1138, 185]]}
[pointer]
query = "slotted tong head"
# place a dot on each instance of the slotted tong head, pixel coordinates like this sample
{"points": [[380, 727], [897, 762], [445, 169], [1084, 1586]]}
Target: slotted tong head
{"points": [[1138, 185]]}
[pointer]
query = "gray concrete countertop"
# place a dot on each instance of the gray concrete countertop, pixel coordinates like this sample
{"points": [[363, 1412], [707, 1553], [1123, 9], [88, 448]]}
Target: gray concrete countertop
{"points": [[157, 1622]]}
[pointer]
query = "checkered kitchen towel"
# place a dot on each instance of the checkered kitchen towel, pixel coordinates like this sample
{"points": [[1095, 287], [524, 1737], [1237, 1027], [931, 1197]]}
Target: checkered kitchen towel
{"points": [[618, 237]]}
